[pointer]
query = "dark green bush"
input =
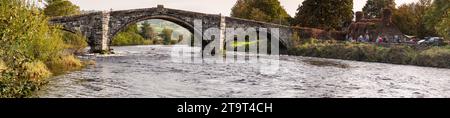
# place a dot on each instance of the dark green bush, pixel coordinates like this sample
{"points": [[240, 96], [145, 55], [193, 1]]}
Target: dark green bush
{"points": [[396, 54], [129, 36]]}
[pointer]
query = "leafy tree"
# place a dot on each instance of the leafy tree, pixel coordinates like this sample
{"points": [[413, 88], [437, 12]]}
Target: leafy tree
{"points": [[325, 14], [60, 8], [373, 8], [437, 18], [405, 20], [33, 39], [410, 18], [147, 31], [129, 36], [166, 34], [261, 10]]}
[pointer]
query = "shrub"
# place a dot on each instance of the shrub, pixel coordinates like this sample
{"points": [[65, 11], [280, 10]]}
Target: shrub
{"points": [[127, 38], [434, 57], [27, 44], [64, 63], [33, 39], [76, 43], [21, 82], [16, 88], [148, 42], [36, 71]]}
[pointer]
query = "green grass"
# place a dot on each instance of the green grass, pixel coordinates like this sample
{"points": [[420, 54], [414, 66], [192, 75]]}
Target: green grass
{"points": [[243, 43], [396, 54]]}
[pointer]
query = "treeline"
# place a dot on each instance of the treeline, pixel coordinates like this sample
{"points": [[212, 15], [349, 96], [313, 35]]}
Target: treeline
{"points": [[424, 18], [144, 35], [31, 50]]}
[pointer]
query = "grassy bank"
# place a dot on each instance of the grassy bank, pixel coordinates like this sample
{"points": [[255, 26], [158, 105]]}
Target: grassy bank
{"points": [[31, 50], [396, 54]]}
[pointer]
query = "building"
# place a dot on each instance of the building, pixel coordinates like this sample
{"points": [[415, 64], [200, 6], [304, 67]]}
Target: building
{"points": [[372, 28]]}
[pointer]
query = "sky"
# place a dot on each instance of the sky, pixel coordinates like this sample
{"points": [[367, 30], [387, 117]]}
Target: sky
{"points": [[204, 6]]}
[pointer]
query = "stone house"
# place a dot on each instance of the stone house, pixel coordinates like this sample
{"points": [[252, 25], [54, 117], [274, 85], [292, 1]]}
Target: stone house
{"points": [[375, 27]]}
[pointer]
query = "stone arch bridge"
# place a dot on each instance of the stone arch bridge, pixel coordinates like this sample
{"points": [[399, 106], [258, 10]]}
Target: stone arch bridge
{"points": [[100, 27]]}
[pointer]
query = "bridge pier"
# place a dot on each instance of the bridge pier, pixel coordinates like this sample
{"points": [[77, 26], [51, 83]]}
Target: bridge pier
{"points": [[101, 44]]}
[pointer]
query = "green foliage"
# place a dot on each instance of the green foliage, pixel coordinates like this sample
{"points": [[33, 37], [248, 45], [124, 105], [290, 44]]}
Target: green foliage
{"points": [[261, 10], [325, 14], [27, 43], [147, 31], [25, 33], [409, 18], [166, 34], [243, 44], [129, 36], [437, 18], [62, 64], [434, 57], [60, 8], [373, 8], [76, 43]]}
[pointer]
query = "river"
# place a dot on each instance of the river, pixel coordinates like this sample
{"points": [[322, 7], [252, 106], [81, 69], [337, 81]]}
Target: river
{"points": [[150, 72]]}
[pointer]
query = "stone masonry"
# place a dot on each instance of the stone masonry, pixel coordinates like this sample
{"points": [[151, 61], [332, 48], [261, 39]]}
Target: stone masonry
{"points": [[99, 27]]}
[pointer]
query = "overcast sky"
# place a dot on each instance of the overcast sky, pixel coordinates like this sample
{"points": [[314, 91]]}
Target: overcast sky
{"points": [[204, 6]]}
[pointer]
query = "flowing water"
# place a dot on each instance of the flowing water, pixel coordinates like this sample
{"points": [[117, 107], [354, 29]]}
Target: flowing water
{"points": [[150, 71]]}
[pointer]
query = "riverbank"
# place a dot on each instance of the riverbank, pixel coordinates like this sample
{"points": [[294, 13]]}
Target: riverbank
{"points": [[396, 54], [32, 50], [23, 81]]}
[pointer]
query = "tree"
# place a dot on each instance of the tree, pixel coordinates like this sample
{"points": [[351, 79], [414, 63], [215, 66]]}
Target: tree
{"points": [[60, 8], [147, 31], [166, 34], [261, 10], [373, 8], [325, 14], [437, 18], [409, 18], [129, 36]]}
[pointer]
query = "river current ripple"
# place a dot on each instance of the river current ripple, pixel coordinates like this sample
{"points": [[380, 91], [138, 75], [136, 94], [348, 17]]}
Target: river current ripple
{"points": [[150, 72]]}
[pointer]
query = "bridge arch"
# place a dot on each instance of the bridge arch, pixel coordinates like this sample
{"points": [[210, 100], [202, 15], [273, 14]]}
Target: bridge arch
{"points": [[118, 26], [174, 20]]}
